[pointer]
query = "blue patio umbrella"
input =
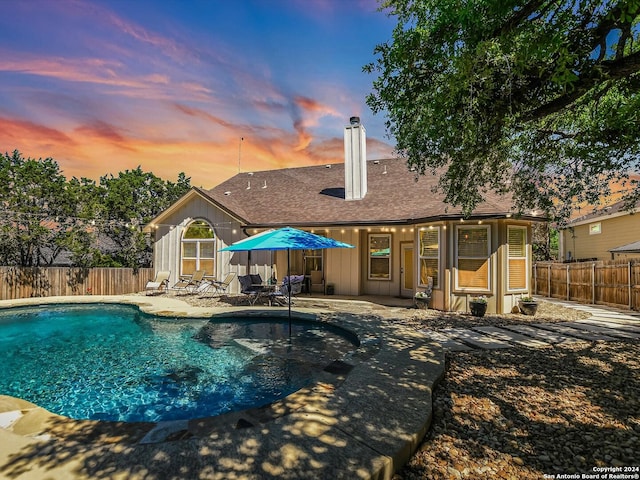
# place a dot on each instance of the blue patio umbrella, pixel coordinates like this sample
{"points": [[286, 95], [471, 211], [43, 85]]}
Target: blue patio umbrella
{"points": [[288, 239]]}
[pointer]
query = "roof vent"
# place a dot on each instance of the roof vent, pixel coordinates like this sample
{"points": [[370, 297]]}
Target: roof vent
{"points": [[327, 166], [227, 192], [249, 185], [250, 174], [354, 120], [385, 170], [376, 162], [265, 184]]}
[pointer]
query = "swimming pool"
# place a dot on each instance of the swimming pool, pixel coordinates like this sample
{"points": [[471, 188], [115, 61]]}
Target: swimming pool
{"points": [[113, 362]]}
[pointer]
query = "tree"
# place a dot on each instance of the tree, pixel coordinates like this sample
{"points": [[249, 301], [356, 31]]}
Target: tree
{"points": [[83, 243], [129, 201], [43, 215], [537, 98], [36, 210]]}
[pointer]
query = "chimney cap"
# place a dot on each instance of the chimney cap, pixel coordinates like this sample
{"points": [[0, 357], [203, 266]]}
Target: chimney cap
{"points": [[354, 120]]}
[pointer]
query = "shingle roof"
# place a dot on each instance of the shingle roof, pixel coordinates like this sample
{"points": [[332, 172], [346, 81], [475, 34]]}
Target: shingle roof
{"points": [[315, 196], [616, 208], [629, 248]]}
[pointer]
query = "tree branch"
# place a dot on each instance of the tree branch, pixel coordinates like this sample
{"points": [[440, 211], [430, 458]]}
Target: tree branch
{"points": [[610, 70], [518, 17]]}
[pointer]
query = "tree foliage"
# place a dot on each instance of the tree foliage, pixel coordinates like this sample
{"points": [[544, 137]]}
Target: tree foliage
{"points": [[96, 225], [538, 98], [129, 201], [36, 210]]}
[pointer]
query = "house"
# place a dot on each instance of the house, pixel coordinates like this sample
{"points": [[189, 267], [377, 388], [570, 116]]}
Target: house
{"points": [[403, 232], [610, 233]]}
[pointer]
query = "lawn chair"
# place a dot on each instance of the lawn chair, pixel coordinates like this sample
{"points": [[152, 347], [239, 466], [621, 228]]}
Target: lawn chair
{"points": [[221, 287], [192, 283], [160, 283], [251, 290]]}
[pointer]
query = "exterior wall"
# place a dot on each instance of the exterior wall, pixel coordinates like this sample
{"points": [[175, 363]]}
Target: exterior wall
{"points": [[507, 299], [168, 236], [342, 265], [615, 232], [448, 298], [384, 287], [347, 269]]}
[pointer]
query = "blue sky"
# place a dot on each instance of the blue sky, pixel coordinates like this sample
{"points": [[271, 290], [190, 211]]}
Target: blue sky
{"points": [[172, 86]]}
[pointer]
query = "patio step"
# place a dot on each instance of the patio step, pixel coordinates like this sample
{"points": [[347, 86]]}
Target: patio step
{"points": [[476, 339], [627, 327], [512, 337], [447, 342], [574, 332], [554, 338], [610, 331]]}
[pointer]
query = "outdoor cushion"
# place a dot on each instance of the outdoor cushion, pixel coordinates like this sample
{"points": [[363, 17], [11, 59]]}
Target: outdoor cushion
{"points": [[245, 283], [256, 280]]}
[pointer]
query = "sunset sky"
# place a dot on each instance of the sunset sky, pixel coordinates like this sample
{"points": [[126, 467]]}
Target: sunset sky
{"points": [[173, 86]]}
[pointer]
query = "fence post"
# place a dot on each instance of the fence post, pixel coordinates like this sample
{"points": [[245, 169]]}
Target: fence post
{"points": [[535, 278], [593, 283], [568, 283], [549, 281], [629, 281]]}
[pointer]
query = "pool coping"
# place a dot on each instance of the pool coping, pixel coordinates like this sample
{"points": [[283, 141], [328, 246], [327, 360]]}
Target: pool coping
{"points": [[365, 424]]}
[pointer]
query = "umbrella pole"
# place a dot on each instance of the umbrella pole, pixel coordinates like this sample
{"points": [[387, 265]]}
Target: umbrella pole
{"points": [[289, 286]]}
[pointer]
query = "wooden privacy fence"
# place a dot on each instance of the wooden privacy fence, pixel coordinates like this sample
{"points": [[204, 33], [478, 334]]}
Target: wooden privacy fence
{"points": [[615, 283], [22, 282]]}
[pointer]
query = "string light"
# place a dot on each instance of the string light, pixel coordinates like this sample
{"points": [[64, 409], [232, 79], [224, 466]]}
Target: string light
{"points": [[43, 217]]}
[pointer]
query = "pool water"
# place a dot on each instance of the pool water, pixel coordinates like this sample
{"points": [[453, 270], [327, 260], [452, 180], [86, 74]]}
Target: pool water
{"points": [[113, 362]]}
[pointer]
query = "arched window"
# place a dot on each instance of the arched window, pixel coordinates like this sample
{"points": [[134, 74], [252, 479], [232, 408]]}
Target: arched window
{"points": [[198, 248]]}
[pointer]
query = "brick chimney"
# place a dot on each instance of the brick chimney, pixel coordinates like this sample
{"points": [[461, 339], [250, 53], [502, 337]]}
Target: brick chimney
{"points": [[355, 160]]}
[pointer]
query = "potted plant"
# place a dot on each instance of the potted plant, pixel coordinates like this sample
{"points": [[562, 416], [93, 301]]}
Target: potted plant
{"points": [[528, 305], [421, 300], [478, 306]]}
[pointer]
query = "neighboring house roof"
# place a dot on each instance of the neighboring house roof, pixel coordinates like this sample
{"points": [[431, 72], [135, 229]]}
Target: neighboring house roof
{"points": [[611, 211], [629, 248], [316, 196]]}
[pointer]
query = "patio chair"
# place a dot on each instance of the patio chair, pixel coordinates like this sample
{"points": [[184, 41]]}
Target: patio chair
{"points": [[251, 286], [297, 282], [192, 283], [316, 282], [160, 283], [221, 287]]}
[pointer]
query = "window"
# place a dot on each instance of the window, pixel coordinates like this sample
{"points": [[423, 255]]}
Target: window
{"points": [[430, 255], [517, 258], [379, 256], [473, 253], [595, 228], [312, 260], [198, 248]]}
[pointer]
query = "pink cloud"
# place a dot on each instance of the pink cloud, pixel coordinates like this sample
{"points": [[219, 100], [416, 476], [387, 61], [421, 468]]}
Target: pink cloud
{"points": [[15, 132]]}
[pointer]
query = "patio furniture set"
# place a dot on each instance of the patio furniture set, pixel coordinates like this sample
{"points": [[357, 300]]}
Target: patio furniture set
{"points": [[252, 287], [190, 283]]}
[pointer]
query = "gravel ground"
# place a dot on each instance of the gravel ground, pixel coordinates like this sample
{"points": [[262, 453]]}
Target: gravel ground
{"points": [[524, 413]]}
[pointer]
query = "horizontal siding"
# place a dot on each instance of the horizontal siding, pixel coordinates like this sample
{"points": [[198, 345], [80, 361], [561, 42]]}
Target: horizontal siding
{"points": [[615, 232]]}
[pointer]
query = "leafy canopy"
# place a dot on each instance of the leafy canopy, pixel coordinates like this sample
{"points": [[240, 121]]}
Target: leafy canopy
{"points": [[97, 225], [536, 98]]}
